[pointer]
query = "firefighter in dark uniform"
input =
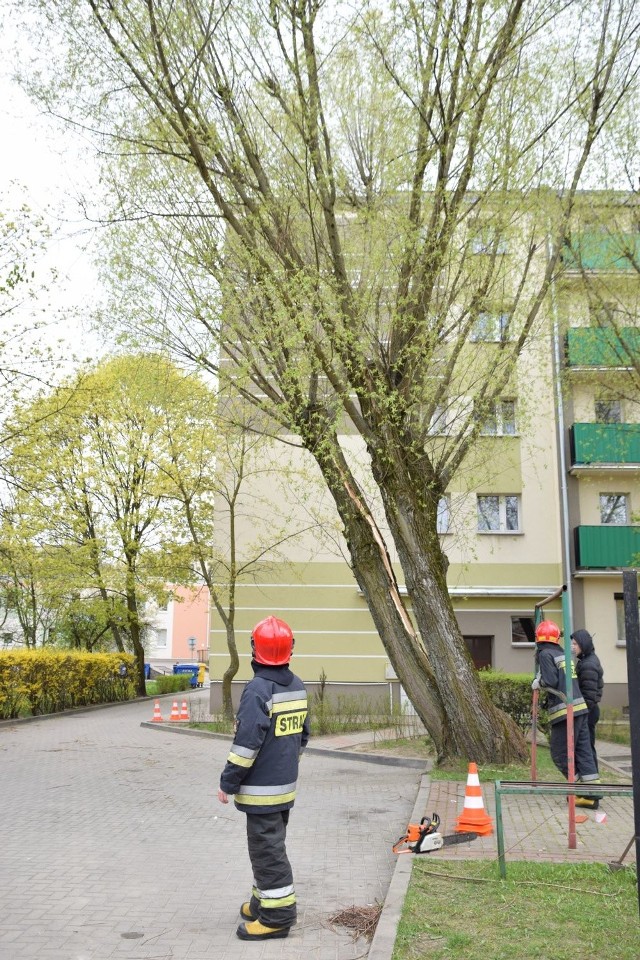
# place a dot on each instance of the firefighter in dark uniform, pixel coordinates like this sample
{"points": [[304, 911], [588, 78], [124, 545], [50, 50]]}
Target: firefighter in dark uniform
{"points": [[272, 729], [551, 679]]}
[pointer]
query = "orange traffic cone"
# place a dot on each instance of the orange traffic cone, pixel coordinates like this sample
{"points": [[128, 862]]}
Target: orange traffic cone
{"points": [[184, 713], [474, 818], [157, 716], [175, 713]]}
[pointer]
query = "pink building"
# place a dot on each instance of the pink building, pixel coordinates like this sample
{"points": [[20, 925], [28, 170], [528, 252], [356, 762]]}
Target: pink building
{"points": [[180, 631]]}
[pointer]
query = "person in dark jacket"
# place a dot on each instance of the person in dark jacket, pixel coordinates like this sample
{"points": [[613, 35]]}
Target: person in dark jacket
{"points": [[271, 730], [590, 679], [550, 677]]}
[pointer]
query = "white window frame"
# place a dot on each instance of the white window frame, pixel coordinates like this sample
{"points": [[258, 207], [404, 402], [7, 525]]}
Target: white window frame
{"points": [[489, 328], [502, 499], [501, 420], [615, 501], [443, 519], [442, 419]]}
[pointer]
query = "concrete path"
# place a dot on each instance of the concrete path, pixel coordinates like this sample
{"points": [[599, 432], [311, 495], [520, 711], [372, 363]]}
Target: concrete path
{"points": [[115, 846]]}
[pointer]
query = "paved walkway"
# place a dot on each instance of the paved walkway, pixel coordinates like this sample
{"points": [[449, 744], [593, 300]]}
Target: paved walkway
{"points": [[115, 847]]}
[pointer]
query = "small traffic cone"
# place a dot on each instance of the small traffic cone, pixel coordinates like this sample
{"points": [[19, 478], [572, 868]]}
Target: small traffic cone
{"points": [[175, 713], [157, 716], [184, 713], [474, 818]]}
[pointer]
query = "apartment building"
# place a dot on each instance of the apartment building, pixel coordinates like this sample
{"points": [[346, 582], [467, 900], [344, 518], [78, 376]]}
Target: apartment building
{"points": [[597, 306], [546, 497]]}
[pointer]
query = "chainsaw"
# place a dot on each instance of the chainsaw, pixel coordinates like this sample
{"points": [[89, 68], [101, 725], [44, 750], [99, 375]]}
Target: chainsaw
{"points": [[423, 837]]}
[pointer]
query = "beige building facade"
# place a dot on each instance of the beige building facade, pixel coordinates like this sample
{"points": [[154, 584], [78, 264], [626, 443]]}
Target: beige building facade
{"points": [[534, 508]]}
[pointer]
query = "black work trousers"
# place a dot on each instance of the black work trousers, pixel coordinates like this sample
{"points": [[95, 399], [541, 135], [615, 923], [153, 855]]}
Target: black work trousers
{"points": [[594, 716], [585, 765], [273, 898]]}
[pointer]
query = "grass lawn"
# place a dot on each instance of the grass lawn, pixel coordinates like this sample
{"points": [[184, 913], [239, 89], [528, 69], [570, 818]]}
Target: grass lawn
{"points": [[463, 910]]}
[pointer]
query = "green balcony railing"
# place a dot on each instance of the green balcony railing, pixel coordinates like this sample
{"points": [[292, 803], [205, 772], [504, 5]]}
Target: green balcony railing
{"points": [[607, 546], [602, 347], [593, 443], [602, 251]]}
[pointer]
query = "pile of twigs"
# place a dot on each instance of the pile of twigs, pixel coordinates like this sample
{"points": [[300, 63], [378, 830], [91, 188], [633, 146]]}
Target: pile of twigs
{"points": [[361, 921]]}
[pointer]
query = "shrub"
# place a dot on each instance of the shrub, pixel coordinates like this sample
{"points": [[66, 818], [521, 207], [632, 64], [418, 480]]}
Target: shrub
{"points": [[43, 681], [172, 682], [511, 693]]}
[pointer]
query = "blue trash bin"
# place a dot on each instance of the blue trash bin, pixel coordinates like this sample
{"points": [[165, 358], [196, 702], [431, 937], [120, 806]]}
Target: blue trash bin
{"points": [[191, 668], [147, 671]]}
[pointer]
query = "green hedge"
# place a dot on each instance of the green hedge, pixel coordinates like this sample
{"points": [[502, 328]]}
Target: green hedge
{"points": [[169, 683], [512, 693], [34, 682]]}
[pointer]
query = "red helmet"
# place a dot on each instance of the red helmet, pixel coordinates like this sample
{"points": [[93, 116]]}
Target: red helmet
{"points": [[272, 642], [547, 632]]}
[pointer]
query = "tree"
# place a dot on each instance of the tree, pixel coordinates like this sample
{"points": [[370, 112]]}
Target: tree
{"points": [[349, 179], [94, 460], [218, 490]]}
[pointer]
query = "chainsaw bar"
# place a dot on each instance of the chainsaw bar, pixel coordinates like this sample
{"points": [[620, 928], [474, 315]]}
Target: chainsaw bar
{"points": [[458, 838]]}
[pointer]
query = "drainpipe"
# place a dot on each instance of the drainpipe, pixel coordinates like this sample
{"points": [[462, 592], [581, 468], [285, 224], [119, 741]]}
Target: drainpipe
{"points": [[562, 453]]}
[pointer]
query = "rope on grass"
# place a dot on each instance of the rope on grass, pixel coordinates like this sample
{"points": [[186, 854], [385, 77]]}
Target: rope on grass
{"points": [[517, 883]]}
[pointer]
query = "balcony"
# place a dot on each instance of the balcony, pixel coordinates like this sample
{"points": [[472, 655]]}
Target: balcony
{"points": [[615, 253], [607, 546], [600, 444], [602, 347]]}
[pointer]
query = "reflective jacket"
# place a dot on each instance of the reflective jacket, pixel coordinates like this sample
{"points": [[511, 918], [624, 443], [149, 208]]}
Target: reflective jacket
{"points": [[272, 729], [551, 673]]}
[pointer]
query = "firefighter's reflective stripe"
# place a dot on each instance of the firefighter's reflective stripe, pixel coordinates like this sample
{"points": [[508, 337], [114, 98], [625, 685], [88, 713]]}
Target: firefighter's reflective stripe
{"points": [[560, 711], [242, 756], [276, 897], [289, 696], [294, 704], [271, 904], [254, 795]]}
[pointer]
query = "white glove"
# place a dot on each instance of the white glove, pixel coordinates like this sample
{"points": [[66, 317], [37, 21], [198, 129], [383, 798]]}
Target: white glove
{"points": [[536, 684]]}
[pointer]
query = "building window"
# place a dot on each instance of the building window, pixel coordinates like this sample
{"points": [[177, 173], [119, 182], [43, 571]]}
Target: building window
{"points": [[501, 421], [498, 514], [608, 411], [490, 328], [441, 420], [621, 633], [621, 639], [161, 638], [444, 514], [614, 509], [523, 630]]}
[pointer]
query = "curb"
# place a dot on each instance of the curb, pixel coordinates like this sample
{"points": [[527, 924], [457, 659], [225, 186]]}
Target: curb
{"points": [[384, 938], [318, 751]]}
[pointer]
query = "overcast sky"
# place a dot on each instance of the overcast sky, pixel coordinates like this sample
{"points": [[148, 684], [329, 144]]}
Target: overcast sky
{"points": [[41, 165]]}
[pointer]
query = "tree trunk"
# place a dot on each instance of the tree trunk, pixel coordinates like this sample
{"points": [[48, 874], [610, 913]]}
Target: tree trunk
{"points": [[469, 725], [135, 632], [230, 672], [476, 729]]}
